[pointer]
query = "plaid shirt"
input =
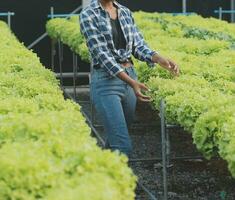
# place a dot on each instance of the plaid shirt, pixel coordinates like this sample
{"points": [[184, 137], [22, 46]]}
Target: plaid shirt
{"points": [[96, 27]]}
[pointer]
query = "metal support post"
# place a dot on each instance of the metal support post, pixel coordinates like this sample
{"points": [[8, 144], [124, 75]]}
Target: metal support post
{"points": [[91, 104], [168, 148], [164, 151], [60, 62], [52, 12], [150, 195], [74, 74], [8, 15], [92, 108], [9, 19], [184, 6], [53, 53], [62, 51], [92, 114], [232, 8], [220, 13]]}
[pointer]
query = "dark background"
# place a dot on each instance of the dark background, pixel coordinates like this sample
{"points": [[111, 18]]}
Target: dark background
{"points": [[31, 15]]}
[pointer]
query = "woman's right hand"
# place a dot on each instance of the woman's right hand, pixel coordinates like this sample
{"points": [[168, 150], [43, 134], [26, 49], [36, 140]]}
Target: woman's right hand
{"points": [[138, 87]]}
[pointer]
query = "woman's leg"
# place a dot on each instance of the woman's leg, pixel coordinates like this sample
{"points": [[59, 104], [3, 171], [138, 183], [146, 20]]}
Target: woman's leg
{"points": [[129, 105], [115, 103], [107, 93], [110, 109]]}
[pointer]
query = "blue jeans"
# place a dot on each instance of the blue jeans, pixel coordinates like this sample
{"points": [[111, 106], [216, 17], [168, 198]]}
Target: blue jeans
{"points": [[115, 102]]}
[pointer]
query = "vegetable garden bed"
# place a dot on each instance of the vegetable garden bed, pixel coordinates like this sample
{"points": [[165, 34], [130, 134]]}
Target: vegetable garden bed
{"points": [[201, 99], [46, 151], [187, 179]]}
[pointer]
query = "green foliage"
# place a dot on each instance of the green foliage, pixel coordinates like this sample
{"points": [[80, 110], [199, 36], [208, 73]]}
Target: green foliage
{"points": [[208, 133], [180, 94], [201, 99], [68, 32], [46, 150], [230, 148]]}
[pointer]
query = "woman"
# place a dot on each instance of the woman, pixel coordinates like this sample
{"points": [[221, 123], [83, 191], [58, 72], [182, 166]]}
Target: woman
{"points": [[112, 37]]}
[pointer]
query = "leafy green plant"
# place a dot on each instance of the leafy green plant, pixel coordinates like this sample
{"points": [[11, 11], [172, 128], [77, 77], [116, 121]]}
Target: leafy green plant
{"points": [[201, 99], [68, 32], [46, 150]]}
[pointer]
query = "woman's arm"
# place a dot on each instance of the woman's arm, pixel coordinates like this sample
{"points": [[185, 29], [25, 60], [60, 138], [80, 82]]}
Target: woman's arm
{"points": [[166, 63], [140, 49], [142, 52], [137, 86]]}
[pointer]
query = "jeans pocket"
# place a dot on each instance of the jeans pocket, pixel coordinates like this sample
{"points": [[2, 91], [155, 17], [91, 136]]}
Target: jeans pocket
{"points": [[104, 76]]}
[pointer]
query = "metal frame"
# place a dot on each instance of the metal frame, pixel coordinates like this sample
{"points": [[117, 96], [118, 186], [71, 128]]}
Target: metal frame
{"points": [[60, 15], [165, 128], [165, 141], [8, 15], [75, 74], [183, 13], [220, 12], [79, 8]]}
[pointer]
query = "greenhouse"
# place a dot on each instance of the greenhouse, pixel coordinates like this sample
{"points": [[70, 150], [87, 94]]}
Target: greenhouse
{"points": [[117, 100]]}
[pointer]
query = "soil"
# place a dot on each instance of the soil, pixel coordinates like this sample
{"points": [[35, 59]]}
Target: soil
{"points": [[195, 179]]}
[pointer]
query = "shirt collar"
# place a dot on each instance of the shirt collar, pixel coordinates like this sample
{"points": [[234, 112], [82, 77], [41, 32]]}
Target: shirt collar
{"points": [[97, 4]]}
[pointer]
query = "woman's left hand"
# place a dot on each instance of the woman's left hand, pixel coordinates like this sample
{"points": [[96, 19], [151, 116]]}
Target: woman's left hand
{"points": [[167, 64]]}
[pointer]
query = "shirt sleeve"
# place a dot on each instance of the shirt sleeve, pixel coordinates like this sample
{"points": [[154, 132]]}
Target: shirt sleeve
{"points": [[97, 45], [141, 50]]}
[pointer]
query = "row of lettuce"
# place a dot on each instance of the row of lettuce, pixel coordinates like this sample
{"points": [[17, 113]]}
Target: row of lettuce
{"points": [[202, 98], [46, 151]]}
